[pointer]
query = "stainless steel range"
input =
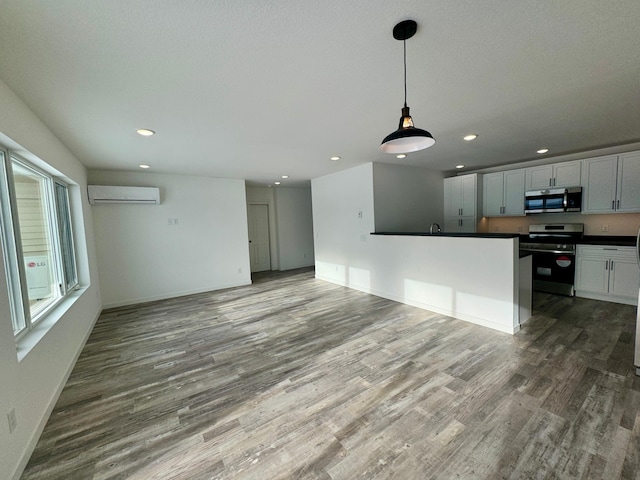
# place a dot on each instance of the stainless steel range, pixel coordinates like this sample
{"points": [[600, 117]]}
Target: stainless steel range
{"points": [[553, 246]]}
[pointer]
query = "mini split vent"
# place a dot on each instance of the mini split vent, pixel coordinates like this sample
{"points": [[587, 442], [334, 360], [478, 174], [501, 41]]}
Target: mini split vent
{"points": [[113, 195]]}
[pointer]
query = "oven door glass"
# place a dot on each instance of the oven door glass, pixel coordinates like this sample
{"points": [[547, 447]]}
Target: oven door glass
{"points": [[554, 267]]}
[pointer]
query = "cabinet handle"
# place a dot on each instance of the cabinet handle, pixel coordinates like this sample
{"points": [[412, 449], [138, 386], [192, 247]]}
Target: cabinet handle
{"points": [[606, 265], [551, 182], [461, 210], [613, 204], [618, 206], [612, 265]]}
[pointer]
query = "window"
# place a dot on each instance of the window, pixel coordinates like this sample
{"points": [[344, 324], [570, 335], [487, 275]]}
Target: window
{"points": [[37, 240]]}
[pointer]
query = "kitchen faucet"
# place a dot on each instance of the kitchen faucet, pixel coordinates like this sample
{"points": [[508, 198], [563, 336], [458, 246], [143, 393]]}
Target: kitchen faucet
{"points": [[431, 228]]}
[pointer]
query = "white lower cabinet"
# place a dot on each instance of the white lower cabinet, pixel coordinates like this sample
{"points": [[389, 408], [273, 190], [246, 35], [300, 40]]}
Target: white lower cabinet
{"points": [[607, 273]]}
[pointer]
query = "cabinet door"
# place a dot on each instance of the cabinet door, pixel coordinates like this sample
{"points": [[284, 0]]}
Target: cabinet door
{"points": [[539, 177], [624, 278], [628, 183], [469, 189], [567, 174], [451, 224], [452, 194], [514, 192], [592, 274], [468, 224], [493, 194], [599, 184]]}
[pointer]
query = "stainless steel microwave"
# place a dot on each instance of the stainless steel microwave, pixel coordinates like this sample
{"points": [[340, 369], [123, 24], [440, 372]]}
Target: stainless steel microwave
{"points": [[553, 200]]}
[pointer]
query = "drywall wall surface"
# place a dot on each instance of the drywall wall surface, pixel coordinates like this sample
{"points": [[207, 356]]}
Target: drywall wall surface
{"points": [[343, 219], [407, 199], [295, 227], [32, 385], [196, 240]]}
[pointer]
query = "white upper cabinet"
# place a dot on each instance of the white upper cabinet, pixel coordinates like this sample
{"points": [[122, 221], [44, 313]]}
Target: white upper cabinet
{"points": [[460, 195], [503, 193], [566, 174], [628, 185], [461, 203], [611, 184]]}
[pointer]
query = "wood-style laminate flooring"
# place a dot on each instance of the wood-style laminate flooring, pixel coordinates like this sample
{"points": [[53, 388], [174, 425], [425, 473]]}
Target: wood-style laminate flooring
{"points": [[296, 378]]}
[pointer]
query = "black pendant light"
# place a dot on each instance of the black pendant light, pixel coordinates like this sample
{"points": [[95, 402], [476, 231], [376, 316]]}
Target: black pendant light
{"points": [[407, 138]]}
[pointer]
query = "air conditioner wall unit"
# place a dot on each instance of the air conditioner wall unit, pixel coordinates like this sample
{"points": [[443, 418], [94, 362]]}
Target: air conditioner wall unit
{"points": [[110, 195]]}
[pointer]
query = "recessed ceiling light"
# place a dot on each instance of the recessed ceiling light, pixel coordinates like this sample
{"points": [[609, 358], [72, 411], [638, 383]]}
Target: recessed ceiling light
{"points": [[470, 137], [401, 155], [277, 183], [145, 132], [459, 166], [285, 176], [143, 165], [543, 150], [335, 158]]}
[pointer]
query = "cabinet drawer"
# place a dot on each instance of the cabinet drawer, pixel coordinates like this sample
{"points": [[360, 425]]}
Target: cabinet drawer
{"points": [[609, 251]]}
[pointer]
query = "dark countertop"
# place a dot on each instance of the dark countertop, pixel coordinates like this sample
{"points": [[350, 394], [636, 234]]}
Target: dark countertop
{"points": [[622, 241], [447, 234]]}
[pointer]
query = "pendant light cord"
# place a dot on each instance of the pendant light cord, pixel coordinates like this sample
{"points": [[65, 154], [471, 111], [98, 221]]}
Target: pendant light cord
{"points": [[404, 43]]}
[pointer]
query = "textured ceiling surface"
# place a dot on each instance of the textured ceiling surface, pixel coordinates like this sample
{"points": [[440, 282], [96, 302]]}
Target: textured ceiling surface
{"points": [[258, 89]]}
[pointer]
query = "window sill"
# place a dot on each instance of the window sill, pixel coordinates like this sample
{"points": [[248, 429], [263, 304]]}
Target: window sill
{"points": [[29, 340]]}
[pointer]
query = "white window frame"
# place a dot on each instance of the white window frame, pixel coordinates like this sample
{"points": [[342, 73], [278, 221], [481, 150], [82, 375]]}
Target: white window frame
{"points": [[65, 273]]}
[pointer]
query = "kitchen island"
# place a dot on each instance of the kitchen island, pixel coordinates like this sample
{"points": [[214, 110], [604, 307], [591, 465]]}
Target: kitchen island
{"points": [[473, 277]]}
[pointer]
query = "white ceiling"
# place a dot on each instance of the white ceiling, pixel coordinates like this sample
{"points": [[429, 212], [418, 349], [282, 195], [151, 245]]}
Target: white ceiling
{"points": [[256, 89]]}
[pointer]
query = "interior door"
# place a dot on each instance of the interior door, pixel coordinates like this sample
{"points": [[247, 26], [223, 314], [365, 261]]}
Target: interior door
{"points": [[259, 247]]}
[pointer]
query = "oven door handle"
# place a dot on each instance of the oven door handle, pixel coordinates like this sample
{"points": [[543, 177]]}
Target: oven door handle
{"points": [[536, 250]]}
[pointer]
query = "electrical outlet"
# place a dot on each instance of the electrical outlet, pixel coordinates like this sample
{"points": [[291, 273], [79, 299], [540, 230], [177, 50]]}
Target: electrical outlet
{"points": [[360, 214], [605, 228], [13, 421]]}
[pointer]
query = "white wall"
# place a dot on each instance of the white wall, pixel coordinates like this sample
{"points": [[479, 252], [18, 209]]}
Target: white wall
{"points": [[441, 274], [342, 222], [407, 199], [295, 227], [141, 257], [32, 385]]}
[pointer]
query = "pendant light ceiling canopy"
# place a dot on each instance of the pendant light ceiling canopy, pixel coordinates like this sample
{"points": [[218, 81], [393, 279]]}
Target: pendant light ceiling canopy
{"points": [[407, 138]]}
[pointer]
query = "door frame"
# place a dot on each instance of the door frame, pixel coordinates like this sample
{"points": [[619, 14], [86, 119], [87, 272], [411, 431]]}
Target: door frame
{"points": [[273, 231]]}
